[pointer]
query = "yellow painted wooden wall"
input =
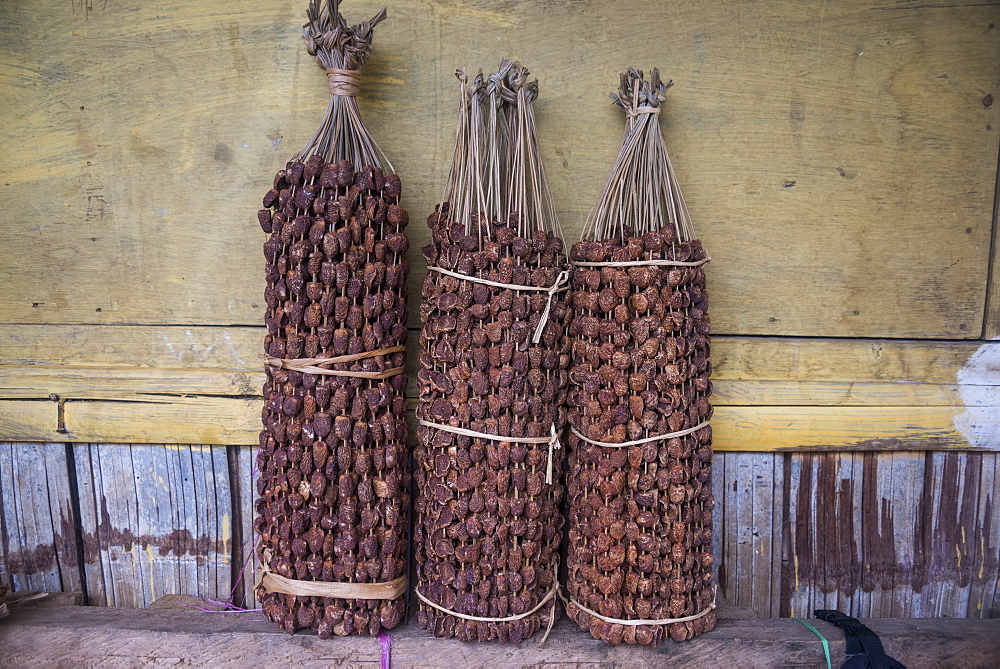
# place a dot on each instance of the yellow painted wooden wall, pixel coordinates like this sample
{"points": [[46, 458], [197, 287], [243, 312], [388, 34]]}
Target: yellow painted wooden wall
{"points": [[839, 159]]}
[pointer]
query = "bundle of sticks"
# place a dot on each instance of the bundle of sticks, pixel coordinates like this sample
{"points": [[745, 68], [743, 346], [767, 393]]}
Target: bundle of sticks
{"points": [[334, 468], [493, 378], [639, 479]]}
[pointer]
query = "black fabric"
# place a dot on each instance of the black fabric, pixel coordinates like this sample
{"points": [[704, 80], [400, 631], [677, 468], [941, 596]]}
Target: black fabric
{"points": [[864, 647]]}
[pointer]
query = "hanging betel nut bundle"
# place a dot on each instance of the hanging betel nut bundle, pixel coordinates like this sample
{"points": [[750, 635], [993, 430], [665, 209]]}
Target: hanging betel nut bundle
{"points": [[332, 510], [493, 379], [640, 445]]}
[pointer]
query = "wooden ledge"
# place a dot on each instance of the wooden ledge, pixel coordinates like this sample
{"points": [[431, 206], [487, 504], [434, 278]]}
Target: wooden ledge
{"points": [[77, 635]]}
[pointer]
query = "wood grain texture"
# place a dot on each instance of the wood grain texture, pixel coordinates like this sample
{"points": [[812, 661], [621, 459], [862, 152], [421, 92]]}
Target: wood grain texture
{"points": [[68, 636], [38, 546], [156, 520], [839, 162]]}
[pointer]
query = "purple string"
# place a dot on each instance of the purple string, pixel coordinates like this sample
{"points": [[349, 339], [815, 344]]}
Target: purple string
{"points": [[385, 640], [250, 556], [227, 607]]}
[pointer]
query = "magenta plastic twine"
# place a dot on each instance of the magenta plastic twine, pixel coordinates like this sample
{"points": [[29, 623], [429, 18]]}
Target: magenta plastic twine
{"points": [[385, 640]]}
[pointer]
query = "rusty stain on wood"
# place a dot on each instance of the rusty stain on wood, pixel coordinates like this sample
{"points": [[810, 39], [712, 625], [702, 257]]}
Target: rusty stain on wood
{"points": [[177, 542], [948, 535]]}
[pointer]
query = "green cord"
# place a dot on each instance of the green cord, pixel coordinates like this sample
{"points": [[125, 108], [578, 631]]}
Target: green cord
{"points": [[826, 644]]}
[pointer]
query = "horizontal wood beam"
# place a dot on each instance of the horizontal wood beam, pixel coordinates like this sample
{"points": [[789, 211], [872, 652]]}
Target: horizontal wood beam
{"points": [[85, 635], [137, 362], [236, 421], [138, 384]]}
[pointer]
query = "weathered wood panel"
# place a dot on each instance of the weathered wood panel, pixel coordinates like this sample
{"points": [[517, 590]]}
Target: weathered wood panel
{"points": [[37, 526], [896, 534], [156, 519], [808, 142], [920, 541]]}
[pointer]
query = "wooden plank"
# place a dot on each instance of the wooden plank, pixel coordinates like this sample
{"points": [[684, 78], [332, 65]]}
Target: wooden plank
{"points": [[39, 540], [860, 125], [851, 428], [69, 636], [721, 531], [120, 508], [986, 542], [221, 420], [209, 420], [786, 374], [157, 570], [907, 555], [739, 475], [763, 488], [245, 554], [78, 362], [29, 420], [96, 553]]}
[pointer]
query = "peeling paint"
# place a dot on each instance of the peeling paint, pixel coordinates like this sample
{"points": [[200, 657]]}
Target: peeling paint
{"points": [[979, 388]]}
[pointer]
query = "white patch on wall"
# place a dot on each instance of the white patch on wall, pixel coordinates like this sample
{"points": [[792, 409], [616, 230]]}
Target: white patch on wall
{"points": [[979, 388]]}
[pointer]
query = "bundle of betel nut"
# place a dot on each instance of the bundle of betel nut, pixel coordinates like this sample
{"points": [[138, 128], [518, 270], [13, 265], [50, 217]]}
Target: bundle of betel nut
{"points": [[640, 445], [334, 467], [493, 378]]}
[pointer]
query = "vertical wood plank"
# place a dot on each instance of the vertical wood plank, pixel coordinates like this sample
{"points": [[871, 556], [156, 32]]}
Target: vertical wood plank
{"points": [[62, 516], [119, 518], [799, 595], [763, 490], [157, 568], [40, 541], [985, 543], [908, 481], [740, 478], [97, 563], [862, 600], [222, 545], [246, 554]]}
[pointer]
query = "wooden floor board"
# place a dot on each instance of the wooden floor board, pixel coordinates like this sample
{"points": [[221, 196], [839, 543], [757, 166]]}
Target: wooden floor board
{"points": [[72, 636]]}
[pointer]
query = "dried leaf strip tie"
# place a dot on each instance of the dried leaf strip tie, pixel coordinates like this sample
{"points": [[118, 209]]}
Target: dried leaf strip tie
{"points": [[561, 285], [343, 82], [273, 582], [312, 365], [553, 441], [551, 594], [662, 621], [639, 442]]}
